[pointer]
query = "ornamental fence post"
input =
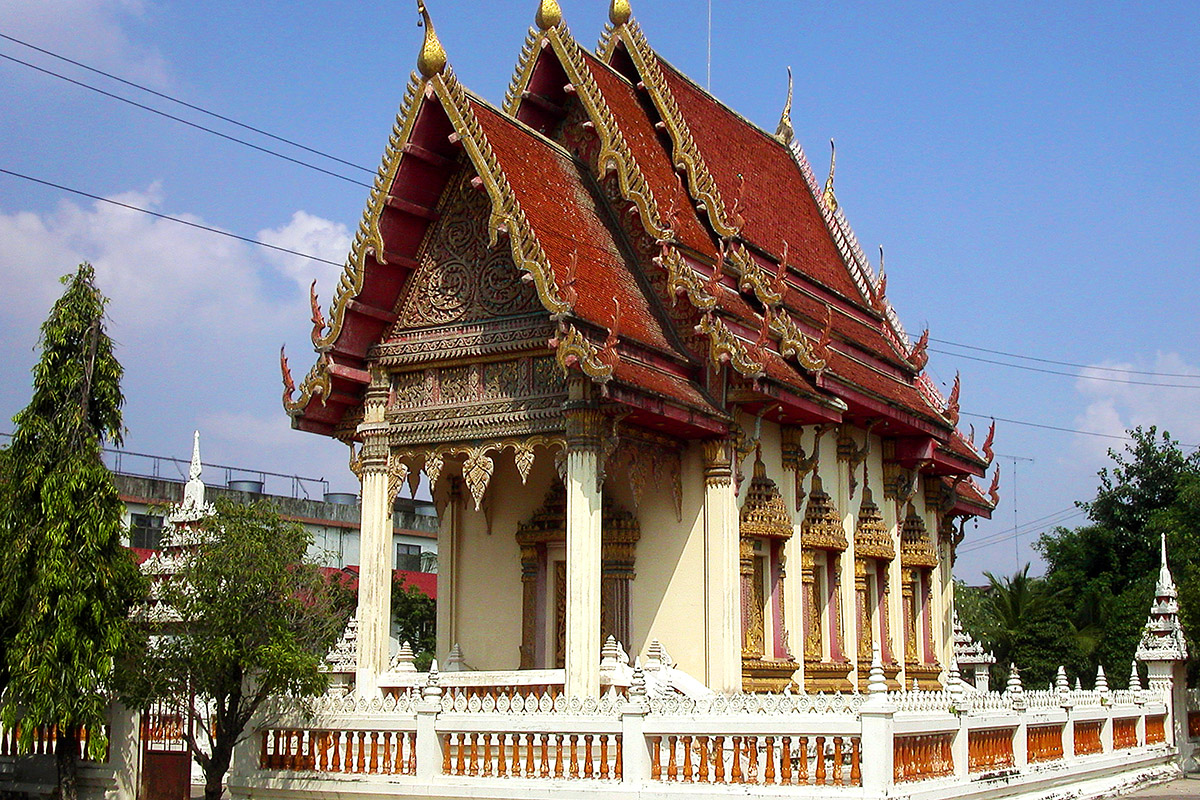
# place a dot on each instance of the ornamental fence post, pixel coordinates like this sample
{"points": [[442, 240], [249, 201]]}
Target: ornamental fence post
{"points": [[429, 748], [635, 750], [877, 718], [960, 749]]}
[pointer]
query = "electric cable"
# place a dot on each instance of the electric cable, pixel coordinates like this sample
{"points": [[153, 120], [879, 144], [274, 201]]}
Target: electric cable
{"points": [[189, 223], [186, 104], [183, 121]]}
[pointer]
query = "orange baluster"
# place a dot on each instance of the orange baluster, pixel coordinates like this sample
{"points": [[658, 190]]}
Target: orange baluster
{"points": [[545, 770], [820, 773], [785, 761], [719, 759], [752, 759], [558, 755], [702, 747], [672, 768], [529, 765], [735, 773], [837, 761], [587, 749], [855, 767], [574, 755], [687, 759], [769, 753], [603, 756]]}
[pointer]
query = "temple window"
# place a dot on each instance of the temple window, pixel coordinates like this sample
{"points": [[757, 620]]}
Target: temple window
{"points": [[542, 540], [765, 526]]}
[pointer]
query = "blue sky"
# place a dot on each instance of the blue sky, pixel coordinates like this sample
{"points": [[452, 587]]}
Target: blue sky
{"points": [[1030, 169]]}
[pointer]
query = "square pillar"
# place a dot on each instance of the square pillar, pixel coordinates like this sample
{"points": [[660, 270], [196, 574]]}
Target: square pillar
{"points": [[379, 487], [722, 587], [585, 427]]}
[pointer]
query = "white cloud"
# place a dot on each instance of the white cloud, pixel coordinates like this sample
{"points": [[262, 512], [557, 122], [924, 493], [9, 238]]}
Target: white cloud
{"points": [[1114, 407], [314, 236], [92, 31], [198, 320]]}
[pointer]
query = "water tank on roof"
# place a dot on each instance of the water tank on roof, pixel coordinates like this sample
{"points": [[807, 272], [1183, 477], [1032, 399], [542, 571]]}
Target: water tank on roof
{"points": [[252, 487], [341, 498]]}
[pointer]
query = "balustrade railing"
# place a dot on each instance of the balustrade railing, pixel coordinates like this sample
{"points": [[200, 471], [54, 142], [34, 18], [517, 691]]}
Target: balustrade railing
{"points": [[921, 757], [1087, 737], [1156, 729], [373, 752], [470, 733], [586, 756], [1044, 743], [1125, 733], [990, 749], [764, 760], [44, 740]]}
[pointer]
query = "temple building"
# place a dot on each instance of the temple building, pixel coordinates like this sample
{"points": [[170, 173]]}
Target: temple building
{"points": [[656, 388]]}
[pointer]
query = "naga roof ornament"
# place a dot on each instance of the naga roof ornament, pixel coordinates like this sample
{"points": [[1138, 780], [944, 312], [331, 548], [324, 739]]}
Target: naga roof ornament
{"points": [[988, 453], [828, 197], [785, 132], [549, 14], [432, 58], [619, 12]]}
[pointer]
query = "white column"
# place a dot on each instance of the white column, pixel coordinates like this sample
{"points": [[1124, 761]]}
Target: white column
{"points": [[722, 589], [374, 544], [449, 534], [583, 553]]}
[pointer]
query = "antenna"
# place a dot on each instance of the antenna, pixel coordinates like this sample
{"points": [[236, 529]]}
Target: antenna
{"points": [[1016, 528], [709, 86]]}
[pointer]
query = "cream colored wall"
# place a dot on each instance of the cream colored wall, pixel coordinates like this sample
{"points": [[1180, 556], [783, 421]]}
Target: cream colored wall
{"points": [[489, 564], [667, 595]]}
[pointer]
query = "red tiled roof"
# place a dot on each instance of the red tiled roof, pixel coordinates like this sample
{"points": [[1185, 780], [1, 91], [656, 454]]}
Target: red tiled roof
{"points": [[652, 159], [563, 213], [776, 202]]}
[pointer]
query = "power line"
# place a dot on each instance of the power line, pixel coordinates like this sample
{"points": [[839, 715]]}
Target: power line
{"points": [[323, 154], [183, 121], [186, 104], [1059, 429], [1009, 533], [1068, 374], [1064, 363], [289, 251], [190, 224]]}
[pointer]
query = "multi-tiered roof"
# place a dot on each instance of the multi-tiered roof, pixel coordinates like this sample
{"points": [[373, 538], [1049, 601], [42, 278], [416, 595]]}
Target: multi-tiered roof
{"points": [[681, 257]]}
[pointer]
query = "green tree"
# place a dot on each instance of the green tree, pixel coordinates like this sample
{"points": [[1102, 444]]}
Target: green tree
{"points": [[66, 583], [416, 621], [1023, 622], [1105, 570], [252, 621]]}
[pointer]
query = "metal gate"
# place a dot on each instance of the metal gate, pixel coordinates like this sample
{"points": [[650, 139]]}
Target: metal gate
{"points": [[166, 762]]}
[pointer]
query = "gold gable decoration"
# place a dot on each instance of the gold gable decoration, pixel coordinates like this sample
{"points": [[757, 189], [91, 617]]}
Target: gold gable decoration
{"points": [[764, 513], [916, 548], [871, 537], [822, 527]]}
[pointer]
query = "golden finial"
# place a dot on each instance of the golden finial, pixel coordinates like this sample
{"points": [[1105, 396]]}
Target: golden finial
{"points": [[549, 14], [830, 200], [785, 133], [432, 58], [619, 12]]}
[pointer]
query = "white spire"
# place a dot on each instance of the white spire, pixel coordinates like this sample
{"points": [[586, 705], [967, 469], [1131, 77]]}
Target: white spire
{"points": [[1166, 584], [193, 508], [1162, 637]]}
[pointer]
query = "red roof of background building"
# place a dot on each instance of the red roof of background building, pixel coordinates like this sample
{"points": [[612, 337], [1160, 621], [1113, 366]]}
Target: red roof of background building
{"points": [[425, 581]]}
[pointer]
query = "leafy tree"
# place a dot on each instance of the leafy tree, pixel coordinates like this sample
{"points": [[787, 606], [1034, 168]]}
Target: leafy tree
{"points": [[253, 621], [1023, 622], [1106, 570], [66, 583], [416, 621]]}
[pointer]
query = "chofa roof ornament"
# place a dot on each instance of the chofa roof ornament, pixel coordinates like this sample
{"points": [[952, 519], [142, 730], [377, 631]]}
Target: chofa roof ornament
{"points": [[549, 14], [432, 58], [619, 12]]}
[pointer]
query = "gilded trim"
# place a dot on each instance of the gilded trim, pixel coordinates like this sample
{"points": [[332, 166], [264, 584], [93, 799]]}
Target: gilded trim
{"points": [[687, 156], [727, 347]]}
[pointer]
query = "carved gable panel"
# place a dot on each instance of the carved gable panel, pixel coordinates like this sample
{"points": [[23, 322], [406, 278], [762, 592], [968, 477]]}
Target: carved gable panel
{"points": [[459, 277]]}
